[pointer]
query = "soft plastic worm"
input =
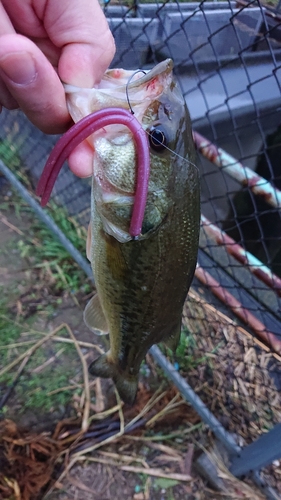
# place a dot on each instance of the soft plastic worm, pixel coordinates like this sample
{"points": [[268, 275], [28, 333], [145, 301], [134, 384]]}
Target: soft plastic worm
{"points": [[78, 133]]}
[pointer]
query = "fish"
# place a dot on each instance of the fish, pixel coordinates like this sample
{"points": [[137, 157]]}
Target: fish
{"points": [[141, 282]]}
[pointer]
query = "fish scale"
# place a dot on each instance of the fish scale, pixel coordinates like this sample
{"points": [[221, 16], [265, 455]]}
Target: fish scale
{"points": [[141, 284]]}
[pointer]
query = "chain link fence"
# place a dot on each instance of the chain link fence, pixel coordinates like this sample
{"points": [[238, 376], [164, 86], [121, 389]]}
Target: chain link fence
{"points": [[227, 59]]}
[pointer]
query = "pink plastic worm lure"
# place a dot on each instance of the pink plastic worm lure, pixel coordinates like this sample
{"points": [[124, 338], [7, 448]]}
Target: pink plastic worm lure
{"points": [[78, 133]]}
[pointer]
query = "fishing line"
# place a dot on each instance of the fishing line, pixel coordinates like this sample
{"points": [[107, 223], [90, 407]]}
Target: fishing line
{"points": [[148, 133], [171, 151], [127, 87]]}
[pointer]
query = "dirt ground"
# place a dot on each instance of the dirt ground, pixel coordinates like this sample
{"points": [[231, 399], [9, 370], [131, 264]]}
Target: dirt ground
{"points": [[19, 285], [155, 462]]}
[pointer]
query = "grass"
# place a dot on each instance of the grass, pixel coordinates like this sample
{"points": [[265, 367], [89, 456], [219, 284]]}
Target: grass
{"points": [[186, 356], [35, 391], [39, 384], [10, 331], [66, 274], [43, 252], [50, 274], [39, 245], [185, 351], [9, 154]]}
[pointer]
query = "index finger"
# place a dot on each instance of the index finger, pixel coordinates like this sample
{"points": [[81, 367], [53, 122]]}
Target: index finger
{"points": [[81, 30]]}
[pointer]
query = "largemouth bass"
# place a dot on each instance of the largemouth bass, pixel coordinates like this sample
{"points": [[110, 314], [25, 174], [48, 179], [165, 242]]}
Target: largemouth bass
{"points": [[141, 283]]}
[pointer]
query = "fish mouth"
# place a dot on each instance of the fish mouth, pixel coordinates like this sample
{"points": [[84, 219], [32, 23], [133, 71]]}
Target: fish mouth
{"points": [[163, 69], [138, 84], [118, 86]]}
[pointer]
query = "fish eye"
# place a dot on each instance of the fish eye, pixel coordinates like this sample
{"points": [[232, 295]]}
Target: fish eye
{"points": [[157, 138]]}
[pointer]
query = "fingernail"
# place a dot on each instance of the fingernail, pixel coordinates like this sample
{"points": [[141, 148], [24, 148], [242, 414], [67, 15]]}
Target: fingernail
{"points": [[19, 67]]}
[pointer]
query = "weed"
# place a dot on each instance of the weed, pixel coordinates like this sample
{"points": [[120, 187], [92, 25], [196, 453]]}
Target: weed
{"points": [[34, 390], [165, 486], [9, 330], [9, 153], [187, 355], [40, 379], [46, 254], [39, 246], [48, 273]]}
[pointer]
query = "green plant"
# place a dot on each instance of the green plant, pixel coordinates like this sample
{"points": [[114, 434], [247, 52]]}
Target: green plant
{"points": [[45, 381], [44, 252], [9, 153], [9, 330], [40, 246]]}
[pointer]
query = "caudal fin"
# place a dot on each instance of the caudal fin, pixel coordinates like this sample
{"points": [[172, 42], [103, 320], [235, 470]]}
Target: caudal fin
{"points": [[126, 386]]}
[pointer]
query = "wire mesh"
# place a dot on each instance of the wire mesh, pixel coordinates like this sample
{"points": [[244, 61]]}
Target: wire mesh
{"points": [[227, 59]]}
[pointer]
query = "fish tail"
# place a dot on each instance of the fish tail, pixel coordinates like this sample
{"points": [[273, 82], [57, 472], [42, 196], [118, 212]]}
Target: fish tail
{"points": [[126, 386]]}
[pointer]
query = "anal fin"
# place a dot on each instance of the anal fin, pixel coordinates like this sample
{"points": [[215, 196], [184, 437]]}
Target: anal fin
{"points": [[101, 367], [94, 317]]}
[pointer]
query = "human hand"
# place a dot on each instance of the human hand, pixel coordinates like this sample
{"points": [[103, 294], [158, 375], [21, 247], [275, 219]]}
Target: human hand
{"points": [[44, 42]]}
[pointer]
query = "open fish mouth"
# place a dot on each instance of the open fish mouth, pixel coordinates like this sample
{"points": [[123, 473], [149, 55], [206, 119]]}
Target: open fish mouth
{"points": [[127, 89], [121, 76]]}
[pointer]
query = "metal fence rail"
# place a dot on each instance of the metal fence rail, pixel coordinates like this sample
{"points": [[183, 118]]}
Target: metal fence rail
{"points": [[228, 63]]}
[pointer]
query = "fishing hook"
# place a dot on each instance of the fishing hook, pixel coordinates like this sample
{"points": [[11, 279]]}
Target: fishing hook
{"points": [[127, 87]]}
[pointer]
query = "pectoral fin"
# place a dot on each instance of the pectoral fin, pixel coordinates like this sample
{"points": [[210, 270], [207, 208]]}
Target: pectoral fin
{"points": [[94, 317]]}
